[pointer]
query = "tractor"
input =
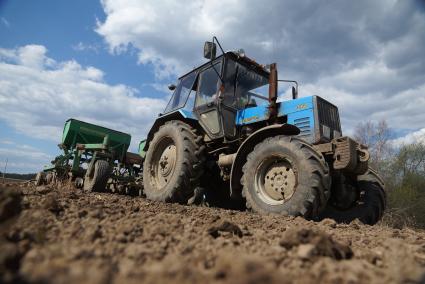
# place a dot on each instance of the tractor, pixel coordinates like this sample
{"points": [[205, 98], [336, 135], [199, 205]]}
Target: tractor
{"points": [[226, 135]]}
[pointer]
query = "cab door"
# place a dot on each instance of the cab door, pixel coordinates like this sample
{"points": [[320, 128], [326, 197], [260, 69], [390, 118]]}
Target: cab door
{"points": [[228, 101], [206, 103]]}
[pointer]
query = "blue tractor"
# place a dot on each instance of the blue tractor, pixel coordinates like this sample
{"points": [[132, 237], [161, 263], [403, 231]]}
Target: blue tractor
{"points": [[224, 136]]}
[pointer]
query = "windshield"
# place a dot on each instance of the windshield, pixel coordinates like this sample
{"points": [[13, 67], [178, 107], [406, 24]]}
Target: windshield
{"points": [[249, 86], [181, 93]]}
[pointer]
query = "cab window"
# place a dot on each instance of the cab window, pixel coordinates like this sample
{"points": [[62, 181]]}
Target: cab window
{"points": [[181, 93], [208, 85], [251, 88]]}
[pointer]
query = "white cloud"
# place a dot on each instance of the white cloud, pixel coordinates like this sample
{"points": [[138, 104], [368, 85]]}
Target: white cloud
{"points": [[37, 95], [22, 158], [302, 36], [86, 47], [32, 56], [414, 137], [364, 56], [402, 109], [5, 22], [24, 152], [6, 141]]}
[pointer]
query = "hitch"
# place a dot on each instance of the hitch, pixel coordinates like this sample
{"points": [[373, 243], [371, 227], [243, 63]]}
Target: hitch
{"points": [[347, 155]]}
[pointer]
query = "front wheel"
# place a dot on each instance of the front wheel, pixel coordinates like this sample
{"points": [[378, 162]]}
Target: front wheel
{"points": [[285, 175], [173, 164]]}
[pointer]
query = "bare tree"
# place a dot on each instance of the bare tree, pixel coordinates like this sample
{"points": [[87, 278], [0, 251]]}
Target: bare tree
{"points": [[377, 137], [411, 159], [403, 169]]}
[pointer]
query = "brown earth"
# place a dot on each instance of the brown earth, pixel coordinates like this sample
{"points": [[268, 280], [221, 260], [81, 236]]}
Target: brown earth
{"points": [[66, 236]]}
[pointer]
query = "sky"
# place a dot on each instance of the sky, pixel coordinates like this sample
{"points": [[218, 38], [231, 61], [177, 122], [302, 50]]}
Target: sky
{"points": [[108, 62]]}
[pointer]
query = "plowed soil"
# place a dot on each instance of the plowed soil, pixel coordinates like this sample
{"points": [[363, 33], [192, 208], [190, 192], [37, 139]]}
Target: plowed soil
{"points": [[51, 235]]}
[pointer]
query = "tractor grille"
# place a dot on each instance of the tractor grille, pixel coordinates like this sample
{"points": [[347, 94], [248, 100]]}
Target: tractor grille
{"points": [[328, 117], [304, 125], [328, 114]]}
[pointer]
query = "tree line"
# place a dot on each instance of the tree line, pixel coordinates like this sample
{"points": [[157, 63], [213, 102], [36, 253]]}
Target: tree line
{"points": [[17, 176], [402, 167]]}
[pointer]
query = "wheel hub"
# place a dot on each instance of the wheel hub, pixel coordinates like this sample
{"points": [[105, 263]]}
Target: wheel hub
{"points": [[166, 164], [276, 181], [280, 182]]}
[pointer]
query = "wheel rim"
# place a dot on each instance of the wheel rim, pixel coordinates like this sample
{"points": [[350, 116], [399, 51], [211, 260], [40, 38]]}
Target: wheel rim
{"points": [[275, 180], [164, 161]]}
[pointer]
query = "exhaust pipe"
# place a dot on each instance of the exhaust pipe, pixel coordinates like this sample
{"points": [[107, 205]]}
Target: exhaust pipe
{"points": [[273, 92]]}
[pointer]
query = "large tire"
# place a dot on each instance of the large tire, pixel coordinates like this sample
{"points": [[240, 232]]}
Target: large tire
{"points": [[370, 206], [174, 163], [98, 178], [285, 175]]}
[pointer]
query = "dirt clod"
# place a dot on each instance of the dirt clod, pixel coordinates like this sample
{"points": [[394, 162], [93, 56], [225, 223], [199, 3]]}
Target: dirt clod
{"points": [[315, 243], [42, 189], [225, 227], [10, 203], [52, 204]]}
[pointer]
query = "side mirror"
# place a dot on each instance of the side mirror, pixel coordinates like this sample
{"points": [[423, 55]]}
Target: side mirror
{"points": [[210, 50], [294, 93], [171, 87]]}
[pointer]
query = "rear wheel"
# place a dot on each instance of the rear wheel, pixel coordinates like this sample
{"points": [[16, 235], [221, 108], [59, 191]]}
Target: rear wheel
{"points": [[96, 179], [285, 175], [173, 164], [370, 205]]}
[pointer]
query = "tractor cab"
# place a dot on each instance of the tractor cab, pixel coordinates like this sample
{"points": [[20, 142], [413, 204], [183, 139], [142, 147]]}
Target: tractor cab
{"points": [[217, 90], [232, 96]]}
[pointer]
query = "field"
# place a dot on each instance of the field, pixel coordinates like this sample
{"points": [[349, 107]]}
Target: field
{"points": [[63, 235], [10, 180]]}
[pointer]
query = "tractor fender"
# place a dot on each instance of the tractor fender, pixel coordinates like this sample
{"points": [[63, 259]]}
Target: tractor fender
{"points": [[181, 115], [248, 145]]}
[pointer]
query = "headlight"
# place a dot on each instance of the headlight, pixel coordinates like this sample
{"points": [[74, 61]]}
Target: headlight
{"points": [[326, 131], [337, 134]]}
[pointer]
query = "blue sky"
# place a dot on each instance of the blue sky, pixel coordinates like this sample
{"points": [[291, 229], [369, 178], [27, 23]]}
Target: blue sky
{"points": [[108, 62], [66, 29], [61, 26]]}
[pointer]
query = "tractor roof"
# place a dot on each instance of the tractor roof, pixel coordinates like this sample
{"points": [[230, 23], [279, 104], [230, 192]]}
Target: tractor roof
{"points": [[235, 56]]}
